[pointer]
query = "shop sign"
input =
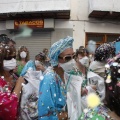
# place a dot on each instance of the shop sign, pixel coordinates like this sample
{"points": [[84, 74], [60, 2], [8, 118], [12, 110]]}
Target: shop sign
{"points": [[39, 23]]}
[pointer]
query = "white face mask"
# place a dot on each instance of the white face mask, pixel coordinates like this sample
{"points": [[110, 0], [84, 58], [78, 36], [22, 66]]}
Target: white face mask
{"points": [[23, 54], [9, 64], [84, 61], [37, 62], [68, 66]]}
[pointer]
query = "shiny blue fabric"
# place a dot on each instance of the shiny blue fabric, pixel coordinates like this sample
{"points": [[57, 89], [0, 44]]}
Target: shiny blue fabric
{"points": [[29, 65], [58, 47], [117, 46], [52, 96]]}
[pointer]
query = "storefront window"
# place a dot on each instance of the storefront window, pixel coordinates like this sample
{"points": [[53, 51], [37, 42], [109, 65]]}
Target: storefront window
{"points": [[101, 38], [111, 38]]}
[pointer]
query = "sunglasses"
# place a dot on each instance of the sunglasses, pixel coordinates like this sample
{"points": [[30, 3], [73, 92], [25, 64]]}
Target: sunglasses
{"points": [[67, 57], [10, 57]]}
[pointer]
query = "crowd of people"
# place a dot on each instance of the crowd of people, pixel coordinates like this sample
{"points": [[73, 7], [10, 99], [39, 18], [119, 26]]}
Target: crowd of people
{"points": [[57, 83]]}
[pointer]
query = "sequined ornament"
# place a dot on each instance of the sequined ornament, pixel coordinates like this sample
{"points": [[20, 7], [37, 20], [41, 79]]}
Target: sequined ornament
{"points": [[108, 80], [118, 70], [118, 64], [115, 64], [104, 52], [98, 113], [107, 66], [2, 77], [31, 106], [22, 84], [8, 51], [86, 110], [110, 87], [115, 58], [41, 77], [118, 82], [6, 47]]}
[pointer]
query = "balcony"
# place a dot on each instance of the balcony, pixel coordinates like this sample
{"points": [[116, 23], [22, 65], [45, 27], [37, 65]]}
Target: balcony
{"points": [[25, 9], [104, 9]]}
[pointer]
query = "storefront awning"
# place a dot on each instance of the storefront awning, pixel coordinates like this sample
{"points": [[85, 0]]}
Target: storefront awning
{"points": [[17, 9], [105, 15], [36, 15], [104, 9]]}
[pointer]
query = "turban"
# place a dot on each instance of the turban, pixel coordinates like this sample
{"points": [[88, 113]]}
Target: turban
{"points": [[58, 47]]}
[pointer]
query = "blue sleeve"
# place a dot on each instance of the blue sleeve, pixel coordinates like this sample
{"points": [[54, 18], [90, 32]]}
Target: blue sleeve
{"points": [[51, 99], [46, 102], [29, 64], [117, 46]]}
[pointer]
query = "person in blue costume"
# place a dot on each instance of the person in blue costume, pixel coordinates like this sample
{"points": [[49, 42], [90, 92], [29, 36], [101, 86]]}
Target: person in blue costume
{"points": [[52, 91], [35, 65], [29, 64]]}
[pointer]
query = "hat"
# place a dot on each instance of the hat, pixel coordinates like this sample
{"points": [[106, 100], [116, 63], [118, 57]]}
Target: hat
{"points": [[58, 47], [104, 52]]}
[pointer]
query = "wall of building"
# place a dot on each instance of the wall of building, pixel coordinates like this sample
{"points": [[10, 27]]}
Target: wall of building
{"points": [[63, 28], [3, 29], [104, 5], [14, 6], [77, 26], [82, 24]]}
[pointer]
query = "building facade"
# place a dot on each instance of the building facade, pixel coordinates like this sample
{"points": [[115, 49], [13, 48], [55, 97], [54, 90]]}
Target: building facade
{"points": [[51, 20], [96, 20]]}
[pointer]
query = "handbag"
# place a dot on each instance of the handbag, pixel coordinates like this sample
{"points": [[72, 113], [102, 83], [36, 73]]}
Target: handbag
{"points": [[63, 115]]}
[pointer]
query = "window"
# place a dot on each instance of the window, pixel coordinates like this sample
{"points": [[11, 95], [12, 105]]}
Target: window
{"points": [[101, 38]]}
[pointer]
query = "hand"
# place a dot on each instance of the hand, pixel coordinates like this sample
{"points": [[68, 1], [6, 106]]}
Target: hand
{"points": [[40, 67], [15, 69], [84, 91], [47, 59], [20, 81], [18, 86], [77, 60], [94, 87]]}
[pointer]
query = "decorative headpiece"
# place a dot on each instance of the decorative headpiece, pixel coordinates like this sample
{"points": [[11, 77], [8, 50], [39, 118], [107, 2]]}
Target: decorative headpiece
{"points": [[104, 52], [58, 47]]}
